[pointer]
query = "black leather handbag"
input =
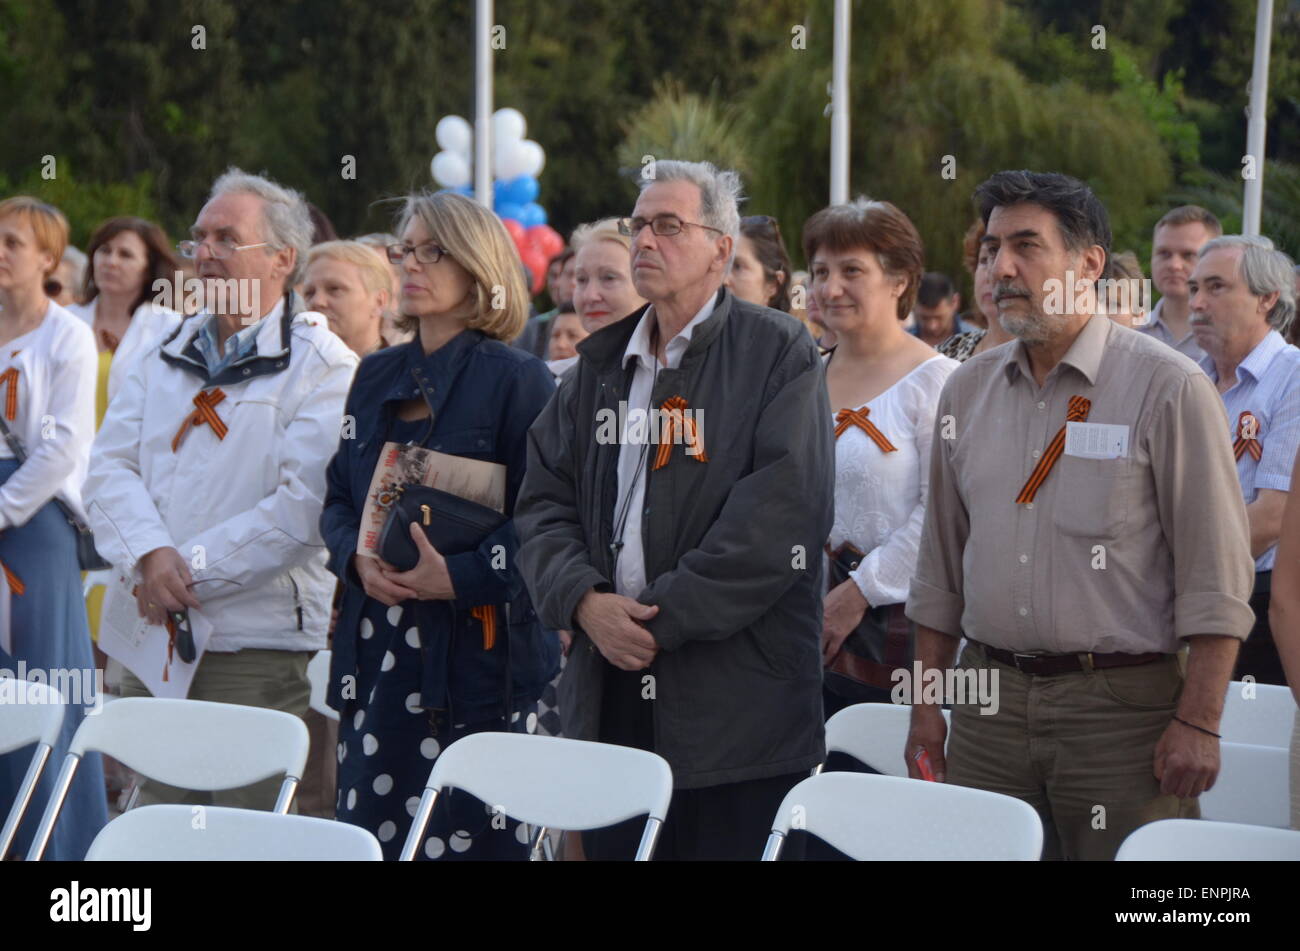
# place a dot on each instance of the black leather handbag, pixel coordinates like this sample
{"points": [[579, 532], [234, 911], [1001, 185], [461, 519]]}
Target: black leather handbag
{"points": [[453, 525]]}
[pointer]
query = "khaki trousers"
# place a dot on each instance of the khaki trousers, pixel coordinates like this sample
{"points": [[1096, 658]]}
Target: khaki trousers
{"points": [[276, 680], [1077, 747]]}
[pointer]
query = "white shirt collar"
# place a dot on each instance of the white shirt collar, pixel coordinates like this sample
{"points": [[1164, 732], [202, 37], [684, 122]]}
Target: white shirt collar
{"points": [[638, 348]]}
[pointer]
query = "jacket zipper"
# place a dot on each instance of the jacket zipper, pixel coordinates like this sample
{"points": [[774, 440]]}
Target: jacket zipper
{"points": [[297, 601]]}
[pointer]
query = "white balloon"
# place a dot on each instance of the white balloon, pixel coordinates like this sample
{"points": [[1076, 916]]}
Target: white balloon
{"points": [[450, 170], [533, 158], [507, 160], [454, 135], [508, 125]]}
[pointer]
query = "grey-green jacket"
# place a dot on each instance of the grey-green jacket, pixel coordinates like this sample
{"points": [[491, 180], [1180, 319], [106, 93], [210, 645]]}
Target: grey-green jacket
{"points": [[732, 545]]}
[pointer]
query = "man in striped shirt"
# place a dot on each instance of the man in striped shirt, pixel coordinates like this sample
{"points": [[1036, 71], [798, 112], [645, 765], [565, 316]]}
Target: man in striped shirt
{"points": [[1242, 303]]}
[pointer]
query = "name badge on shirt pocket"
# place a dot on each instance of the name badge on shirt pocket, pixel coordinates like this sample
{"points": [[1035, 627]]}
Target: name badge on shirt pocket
{"points": [[1096, 440]]}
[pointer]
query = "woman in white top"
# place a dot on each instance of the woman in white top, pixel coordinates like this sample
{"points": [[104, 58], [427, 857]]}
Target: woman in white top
{"points": [[47, 374], [128, 256], [866, 261]]}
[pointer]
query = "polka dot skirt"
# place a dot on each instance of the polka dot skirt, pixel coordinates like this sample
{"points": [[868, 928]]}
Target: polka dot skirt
{"points": [[388, 744]]}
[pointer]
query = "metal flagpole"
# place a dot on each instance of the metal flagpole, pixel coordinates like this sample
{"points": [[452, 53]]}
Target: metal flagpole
{"points": [[1258, 122], [483, 102], [840, 105]]}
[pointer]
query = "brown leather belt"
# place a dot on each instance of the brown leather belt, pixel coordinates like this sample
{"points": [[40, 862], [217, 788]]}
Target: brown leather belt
{"points": [[1049, 665]]}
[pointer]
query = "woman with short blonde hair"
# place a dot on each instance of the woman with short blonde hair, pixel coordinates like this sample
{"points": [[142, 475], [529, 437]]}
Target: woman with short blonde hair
{"points": [[352, 285], [47, 373], [432, 651]]}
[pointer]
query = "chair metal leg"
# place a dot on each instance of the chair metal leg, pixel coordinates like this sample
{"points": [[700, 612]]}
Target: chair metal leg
{"points": [[61, 786], [772, 851], [649, 839], [539, 843], [419, 824], [24, 797], [817, 769], [133, 798], [548, 847], [287, 790]]}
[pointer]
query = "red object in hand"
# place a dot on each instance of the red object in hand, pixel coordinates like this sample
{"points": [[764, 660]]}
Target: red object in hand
{"points": [[922, 759]]}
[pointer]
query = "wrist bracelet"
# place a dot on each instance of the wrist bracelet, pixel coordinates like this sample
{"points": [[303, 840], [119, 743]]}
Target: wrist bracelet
{"points": [[1199, 728]]}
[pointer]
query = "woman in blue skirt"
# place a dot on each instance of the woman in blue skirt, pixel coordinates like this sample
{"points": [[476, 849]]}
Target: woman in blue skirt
{"points": [[47, 400], [452, 647]]}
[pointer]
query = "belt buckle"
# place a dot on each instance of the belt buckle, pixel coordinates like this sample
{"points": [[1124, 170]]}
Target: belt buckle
{"points": [[1016, 656]]}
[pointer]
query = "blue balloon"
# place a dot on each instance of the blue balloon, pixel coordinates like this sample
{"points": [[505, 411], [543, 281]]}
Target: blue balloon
{"points": [[519, 190], [509, 209], [532, 214]]}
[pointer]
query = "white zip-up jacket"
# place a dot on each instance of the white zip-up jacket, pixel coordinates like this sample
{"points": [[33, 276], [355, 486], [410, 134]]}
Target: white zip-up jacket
{"points": [[244, 508]]}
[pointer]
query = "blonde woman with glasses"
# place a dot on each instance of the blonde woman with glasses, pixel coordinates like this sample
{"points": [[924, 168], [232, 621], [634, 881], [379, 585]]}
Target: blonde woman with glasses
{"points": [[425, 656]]}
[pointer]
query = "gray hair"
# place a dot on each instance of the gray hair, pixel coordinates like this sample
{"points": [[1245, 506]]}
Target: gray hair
{"points": [[286, 222], [720, 191], [1265, 271], [77, 258]]}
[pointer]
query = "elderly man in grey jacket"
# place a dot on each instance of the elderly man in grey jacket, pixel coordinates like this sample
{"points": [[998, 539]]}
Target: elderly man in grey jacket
{"points": [[679, 489]]}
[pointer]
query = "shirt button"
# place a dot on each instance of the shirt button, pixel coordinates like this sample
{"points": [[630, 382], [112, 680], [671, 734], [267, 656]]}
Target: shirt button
{"points": [[1042, 405], [1037, 453], [1024, 611], [1029, 505], [1024, 559]]}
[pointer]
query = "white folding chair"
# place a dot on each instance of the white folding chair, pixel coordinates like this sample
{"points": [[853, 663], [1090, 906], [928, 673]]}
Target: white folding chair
{"points": [[29, 713], [1253, 787], [195, 744], [551, 782], [318, 673], [1196, 840], [177, 833], [874, 733], [1258, 714], [888, 818]]}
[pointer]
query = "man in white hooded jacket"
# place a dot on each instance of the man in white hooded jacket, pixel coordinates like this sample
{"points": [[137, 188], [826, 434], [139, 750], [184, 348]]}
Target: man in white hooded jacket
{"points": [[207, 477]]}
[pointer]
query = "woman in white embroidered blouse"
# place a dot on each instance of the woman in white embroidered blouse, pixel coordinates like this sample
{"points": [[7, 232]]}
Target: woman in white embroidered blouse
{"points": [[883, 383], [47, 371]]}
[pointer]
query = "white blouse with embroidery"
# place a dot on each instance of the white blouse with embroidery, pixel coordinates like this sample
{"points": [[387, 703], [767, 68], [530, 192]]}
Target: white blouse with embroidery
{"points": [[880, 496]]}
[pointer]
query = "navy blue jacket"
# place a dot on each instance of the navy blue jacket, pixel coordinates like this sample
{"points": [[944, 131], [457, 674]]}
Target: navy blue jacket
{"points": [[483, 396]]}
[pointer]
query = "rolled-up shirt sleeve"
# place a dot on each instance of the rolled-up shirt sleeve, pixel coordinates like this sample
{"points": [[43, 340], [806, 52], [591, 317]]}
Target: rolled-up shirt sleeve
{"points": [[936, 599], [1201, 512]]}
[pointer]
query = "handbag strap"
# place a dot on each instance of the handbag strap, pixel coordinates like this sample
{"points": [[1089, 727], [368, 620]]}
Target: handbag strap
{"points": [[20, 453]]}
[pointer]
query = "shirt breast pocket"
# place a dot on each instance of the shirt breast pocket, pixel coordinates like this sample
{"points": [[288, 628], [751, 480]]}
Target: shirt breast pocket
{"points": [[476, 443], [1092, 497]]}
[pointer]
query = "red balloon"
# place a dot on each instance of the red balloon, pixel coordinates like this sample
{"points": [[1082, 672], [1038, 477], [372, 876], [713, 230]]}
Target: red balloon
{"points": [[515, 230], [536, 263], [546, 239]]}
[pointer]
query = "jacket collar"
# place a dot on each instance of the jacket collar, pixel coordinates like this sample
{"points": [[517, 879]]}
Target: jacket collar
{"points": [[433, 372], [270, 356], [605, 348]]}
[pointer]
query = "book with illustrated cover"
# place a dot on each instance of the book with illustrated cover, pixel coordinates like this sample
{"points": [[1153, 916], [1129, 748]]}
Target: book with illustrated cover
{"points": [[401, 464]]}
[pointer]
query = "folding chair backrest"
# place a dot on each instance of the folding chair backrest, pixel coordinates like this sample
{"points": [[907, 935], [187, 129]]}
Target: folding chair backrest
{"points": [[555, 782], [318, 674], [29, 713], [1258, 714], [175, 833], [194, 744], [1252, 787], [197, 744], [874, 733], [887, 818], [1198, 840]]}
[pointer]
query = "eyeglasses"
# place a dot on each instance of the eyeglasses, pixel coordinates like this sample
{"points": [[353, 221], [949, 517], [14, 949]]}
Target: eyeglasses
{"points": [[218, 249], [179, 625], [427, 253], [664, 225]]}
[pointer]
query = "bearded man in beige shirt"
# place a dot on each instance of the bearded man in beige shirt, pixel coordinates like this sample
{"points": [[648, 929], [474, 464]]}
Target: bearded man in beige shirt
{"points": [[1084, 524]]}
